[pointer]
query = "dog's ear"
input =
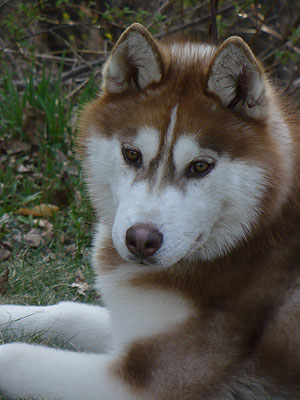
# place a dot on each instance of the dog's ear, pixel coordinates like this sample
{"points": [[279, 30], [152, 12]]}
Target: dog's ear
{"points": [[237, 79], [135, 62]]}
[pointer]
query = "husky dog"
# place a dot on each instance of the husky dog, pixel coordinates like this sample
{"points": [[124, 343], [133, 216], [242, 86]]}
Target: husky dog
{"points": [[192, 162]]}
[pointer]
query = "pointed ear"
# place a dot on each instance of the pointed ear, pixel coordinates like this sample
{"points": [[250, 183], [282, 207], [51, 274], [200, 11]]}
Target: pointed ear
{"points": [[135, 62], [237, 79]]}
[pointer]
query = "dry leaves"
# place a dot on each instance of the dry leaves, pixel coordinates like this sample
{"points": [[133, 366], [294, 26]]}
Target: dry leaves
{"points": [[42, 210], [15, 146], [32, 239], [80, 283], [5, 247], [4, 219], [36, 236], [4, 253], [25, 168], [4, 282], [33, 124]]}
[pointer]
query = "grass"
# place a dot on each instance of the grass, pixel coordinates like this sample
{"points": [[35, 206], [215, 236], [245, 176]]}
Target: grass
{"points": [[38, 165]]}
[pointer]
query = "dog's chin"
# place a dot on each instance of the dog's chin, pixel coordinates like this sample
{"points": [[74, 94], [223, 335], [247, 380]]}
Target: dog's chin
{"points": [[145, 262], [156, 262], [150, 262]]}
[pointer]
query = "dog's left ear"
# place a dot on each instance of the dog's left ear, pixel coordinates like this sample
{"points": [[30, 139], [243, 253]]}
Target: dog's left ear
{"points": [[237, 79], [136, 62]]}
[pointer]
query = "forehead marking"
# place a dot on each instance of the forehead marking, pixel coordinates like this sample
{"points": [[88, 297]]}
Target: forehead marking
{"points": [[167, 145], [170, 130], [147, 140]]}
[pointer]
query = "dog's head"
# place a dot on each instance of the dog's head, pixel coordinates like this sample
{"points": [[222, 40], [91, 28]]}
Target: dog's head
{"points": [[182, 149]]}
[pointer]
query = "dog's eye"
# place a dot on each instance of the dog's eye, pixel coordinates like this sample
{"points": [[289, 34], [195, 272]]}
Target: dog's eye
{"points": [[132, 156], [199, 168]]}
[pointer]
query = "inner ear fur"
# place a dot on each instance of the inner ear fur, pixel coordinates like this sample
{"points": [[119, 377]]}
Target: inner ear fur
{"points": [[136, 62], [237, 79]]}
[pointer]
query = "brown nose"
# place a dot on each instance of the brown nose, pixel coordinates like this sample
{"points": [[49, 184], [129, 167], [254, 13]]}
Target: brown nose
{"points": [[143, 240]]}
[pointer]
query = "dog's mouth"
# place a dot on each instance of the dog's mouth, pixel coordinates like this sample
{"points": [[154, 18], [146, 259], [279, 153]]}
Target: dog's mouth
{"points": [[155, 262], [145, 261]]}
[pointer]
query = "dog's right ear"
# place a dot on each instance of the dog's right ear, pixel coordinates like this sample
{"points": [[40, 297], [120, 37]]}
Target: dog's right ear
{"points": [[135, 62]]}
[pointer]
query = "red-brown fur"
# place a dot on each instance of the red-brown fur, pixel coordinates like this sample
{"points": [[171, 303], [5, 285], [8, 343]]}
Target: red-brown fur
{"points": [[247, 327]]}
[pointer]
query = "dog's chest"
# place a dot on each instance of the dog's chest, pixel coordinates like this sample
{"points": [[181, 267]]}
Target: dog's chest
{"points": [[140, 312]]}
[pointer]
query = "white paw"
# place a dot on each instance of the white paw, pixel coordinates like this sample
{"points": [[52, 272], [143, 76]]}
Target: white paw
{"points": [[12, 366]]}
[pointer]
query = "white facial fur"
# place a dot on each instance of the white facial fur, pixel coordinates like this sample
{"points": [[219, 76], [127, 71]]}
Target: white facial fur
{"points": [[201, 221], [148, 140]]}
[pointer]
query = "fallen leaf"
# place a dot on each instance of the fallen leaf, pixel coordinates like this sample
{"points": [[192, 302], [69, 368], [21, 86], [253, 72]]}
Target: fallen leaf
{"points": [[4, 254], [61, 197], [80, 283], [14, 146], [46, 226], [21, 168], [42, 210], [71, 249], [4, 282], [61, 157], [33, 124], [2, 145], [78, 198], [4, 219], [32, 239]]}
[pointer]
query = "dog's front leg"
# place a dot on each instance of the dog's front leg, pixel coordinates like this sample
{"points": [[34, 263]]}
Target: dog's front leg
{"points": [[40, 372], [75, 325]]}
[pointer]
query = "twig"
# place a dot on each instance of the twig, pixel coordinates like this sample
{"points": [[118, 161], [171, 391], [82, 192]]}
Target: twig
{"points": [[80, 70], [84, 51], [54, 29], [20, 84], [214, 27], [78, 56], [292, 79], [3, 4], [53, 56], [42, 56], [197, 21], [273, 33], [78, 88]]}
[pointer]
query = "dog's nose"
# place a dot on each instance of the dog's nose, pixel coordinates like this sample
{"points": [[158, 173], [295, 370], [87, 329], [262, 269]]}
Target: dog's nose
{"points": [[143, 240]]}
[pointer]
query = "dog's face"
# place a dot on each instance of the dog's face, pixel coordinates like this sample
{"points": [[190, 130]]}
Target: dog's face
{"points": [[172, 173], [189, 200]]}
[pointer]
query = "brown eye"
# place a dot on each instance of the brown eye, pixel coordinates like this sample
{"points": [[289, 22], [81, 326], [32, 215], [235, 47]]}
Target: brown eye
{"points": [[132, 156], [199, 168]]}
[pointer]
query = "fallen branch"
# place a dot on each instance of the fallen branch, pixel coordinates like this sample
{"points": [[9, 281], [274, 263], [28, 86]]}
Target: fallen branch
{"points": [[21, 84]]}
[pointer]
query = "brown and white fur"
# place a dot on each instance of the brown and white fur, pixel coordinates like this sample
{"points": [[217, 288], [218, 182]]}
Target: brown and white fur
{"points": [[192, 162]]}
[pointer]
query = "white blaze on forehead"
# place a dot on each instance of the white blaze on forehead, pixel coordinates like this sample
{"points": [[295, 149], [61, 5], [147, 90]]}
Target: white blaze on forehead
{"points": [[167, 143], [170, 131], [147, 141]]}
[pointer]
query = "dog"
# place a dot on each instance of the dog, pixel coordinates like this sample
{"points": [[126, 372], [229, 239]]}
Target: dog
{"points": [[192, 161]]}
